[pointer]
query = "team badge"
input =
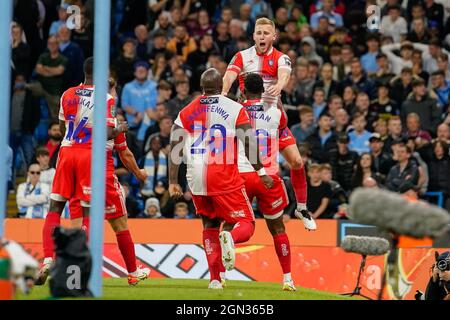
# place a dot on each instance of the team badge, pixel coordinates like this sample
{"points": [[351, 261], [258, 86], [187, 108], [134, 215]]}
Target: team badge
{"points": [[270, 62]]}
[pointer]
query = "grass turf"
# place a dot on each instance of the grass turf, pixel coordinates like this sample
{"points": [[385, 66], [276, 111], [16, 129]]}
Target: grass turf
{"points": [[176, 289]]}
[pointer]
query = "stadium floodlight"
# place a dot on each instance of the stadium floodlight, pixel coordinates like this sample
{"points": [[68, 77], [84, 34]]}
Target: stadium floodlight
{"points": [[5, 94], [101, 75]]}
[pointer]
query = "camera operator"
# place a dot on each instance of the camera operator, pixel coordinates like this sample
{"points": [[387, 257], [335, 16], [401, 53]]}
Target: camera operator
{"points": [[438, 287]]}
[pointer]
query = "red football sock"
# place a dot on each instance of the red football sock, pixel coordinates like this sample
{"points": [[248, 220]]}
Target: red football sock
{"points": [[221, 267], [126, 247], [298, 179], [85, 225], [242, 231], [213, 252], [52, 220], [283, 249]]}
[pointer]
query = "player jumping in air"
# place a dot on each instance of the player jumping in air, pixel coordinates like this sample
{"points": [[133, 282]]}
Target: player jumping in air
{"points": [[205, 132], [275, 69]]}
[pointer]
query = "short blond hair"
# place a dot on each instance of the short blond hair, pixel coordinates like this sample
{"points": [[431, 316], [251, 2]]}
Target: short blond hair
{"points": [[262, 21]]}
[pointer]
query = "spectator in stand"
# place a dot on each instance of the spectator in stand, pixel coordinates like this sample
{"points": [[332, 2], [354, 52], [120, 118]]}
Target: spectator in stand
{"points": [[160, 69], [9, 166], [364, 169], [327, 11], [319, 104], [32, 196], [47, 172], [341, 121], [152, 209], [430, 54], [182, 211], [25, 113], [326, 81], [163, 25], [383, 107], [245, 17], [123, 66], [304, 84], [20, 55], [83, 36], [422, 182], [158, 46], [383, 73], [439, 171], [319, 193], [401, 86], [73, 74], [382, 161], [50, 68], [442, 89], [308, 50], [323, 140], [443, 132], [359, 79], [419, 33], [62, 19], [181, 44], [338, 194], [181, 99], [359, 137], [322, 34], [161, 111], [334, 104], [133, 206], [399, 63], [142, 42], [414, 131], [155, 163], [306, 126], [139, 100], [198, 59], [343, 160], [406, 171], [421, 103], [393, 24], [443, 65], [362, 104], [349, 97], [54, 140], [395, 133], [434, 13], [203, 25], [369, 59]]}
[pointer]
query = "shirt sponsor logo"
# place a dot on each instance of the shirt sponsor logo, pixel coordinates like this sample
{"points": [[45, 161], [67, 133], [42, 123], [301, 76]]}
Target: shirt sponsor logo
{"points": [[209, 100], [256, 107], [83, 92], [86, 190]]}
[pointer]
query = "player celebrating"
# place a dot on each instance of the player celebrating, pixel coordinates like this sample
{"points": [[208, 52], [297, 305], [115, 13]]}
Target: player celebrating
{"points": [[207, 129], [275, 69], [72, 177], [267, 120]]}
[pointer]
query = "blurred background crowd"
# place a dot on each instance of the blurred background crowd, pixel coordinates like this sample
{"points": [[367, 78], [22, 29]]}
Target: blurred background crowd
{"points": [[367, 107]]}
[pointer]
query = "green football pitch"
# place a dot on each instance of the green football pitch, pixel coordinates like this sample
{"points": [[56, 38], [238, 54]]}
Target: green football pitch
{"points": [[175, 289]]}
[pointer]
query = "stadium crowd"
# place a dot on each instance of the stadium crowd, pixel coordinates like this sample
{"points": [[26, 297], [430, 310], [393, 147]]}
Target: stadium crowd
{"points": [[367, 107]]}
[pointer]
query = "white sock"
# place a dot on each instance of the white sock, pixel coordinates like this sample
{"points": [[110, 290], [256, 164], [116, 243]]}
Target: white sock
{"points": [[48, 260], [301, 206], [287, 277], [222, 275]]}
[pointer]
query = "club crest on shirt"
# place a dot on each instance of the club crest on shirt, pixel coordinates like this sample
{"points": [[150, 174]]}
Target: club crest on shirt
{"points": [[270, 62]]}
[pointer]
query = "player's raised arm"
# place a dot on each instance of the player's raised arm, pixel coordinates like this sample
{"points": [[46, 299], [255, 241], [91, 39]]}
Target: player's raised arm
{"points": [[177, 141], [233, 70]]}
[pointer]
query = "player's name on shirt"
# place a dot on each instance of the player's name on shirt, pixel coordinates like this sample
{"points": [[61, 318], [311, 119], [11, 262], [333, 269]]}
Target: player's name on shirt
{"points": [[84, 99]]}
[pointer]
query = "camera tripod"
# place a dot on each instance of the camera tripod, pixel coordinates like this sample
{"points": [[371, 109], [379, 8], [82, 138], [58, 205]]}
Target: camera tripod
{"points": [[357, 290]]}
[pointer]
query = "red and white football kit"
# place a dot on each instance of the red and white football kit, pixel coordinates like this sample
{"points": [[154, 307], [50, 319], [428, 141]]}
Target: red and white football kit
{"points": [[211, 151], [73, 174], [267, 121], [114, 198], [266, 65]]}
